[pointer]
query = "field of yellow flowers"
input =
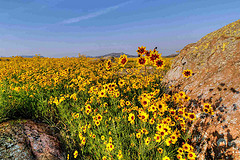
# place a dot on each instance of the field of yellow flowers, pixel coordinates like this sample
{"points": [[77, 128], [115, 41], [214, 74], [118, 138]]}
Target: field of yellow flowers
{"points": [[103, 109]]}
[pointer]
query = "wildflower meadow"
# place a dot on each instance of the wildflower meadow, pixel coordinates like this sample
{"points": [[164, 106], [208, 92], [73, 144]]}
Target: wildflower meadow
{"points": [[102, 108]]}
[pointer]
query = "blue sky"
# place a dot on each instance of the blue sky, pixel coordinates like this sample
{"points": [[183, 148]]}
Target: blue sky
{"points": [[59, 28]]}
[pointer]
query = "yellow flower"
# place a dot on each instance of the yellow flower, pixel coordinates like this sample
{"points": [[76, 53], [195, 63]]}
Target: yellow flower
{"points": [[110, 147], [141, 50], [103, 138], [131, 118], [160, 150], [138, 135], [119, 155], [98, 117], [187, 73], [75, 154], [123, 60], [121, 82], [143, 116], [147, 140], [186, 147], [108, 64], [83, 142], [142, 61], [144, 131], [157, 137], [191, 156], [160, 63], [151, 121], [102, 93], [168, 141], [180, 151], [97, 123], [191, 116], [145, 102], [166, 158]]}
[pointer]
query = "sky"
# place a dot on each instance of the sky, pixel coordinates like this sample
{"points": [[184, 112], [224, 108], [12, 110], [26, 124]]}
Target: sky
{"points": [[60, 28]]}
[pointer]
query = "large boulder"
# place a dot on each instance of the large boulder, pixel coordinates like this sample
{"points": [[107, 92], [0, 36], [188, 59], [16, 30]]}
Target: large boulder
{"points": [[215, 62], [28, 140]]}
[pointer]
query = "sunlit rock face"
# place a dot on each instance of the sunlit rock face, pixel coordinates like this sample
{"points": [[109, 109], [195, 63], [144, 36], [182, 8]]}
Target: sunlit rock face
{"points": [[215, 62], [27, 140]]}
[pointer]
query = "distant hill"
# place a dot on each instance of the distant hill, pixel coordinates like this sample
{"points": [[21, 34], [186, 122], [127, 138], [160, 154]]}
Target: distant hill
{"points": [[170, 56], [29, 56], [117, 55]]}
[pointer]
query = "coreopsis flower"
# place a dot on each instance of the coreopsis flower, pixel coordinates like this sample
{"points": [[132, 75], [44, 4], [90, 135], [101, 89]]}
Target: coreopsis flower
{"points": [[148, 53], [152, 108], [110, 147], [88, 111], [128, 103], [141, 61], [76, 116], [154, 56], [102, 93], [160, 150], [180, 151], [121, 82], [119, 155], [75, 154], [141, 50], [207, 105], [80, 136], [143, 116], [98, 117], [151, 121], [83, 142], [147, 140], [179, 156], [191, 156], [161, 106], [122, 103], [145, 102], [123, 60], [186, 98], [104, 158], [102, 137], [166, 158], [138, 135], [191, 116], [157, 138], [108, 64], [168, 141], [181, 111], [186, 147], [160, 63], [181, 94], [131, 118], [144, 131], [187, 73], [174, 138], [97, 123]]}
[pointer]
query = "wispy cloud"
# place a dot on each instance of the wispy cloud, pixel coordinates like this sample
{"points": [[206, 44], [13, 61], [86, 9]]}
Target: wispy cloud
{"points": [[94, 14]]}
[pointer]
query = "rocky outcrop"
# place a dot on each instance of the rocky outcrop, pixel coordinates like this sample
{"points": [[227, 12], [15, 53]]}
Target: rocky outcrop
{"points": [[215, 62], [28, 140]]}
